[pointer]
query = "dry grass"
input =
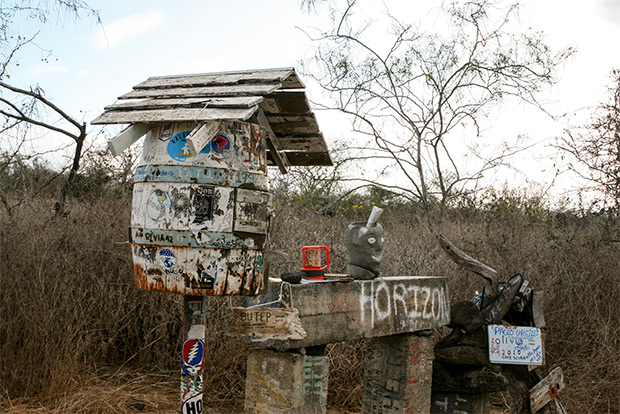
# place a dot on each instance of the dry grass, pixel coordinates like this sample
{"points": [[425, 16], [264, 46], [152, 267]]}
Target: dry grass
{"points": [[68, 305]]}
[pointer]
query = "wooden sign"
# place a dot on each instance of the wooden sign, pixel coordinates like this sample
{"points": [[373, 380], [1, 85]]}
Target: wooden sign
{"points": [[546, 390], [519, 345], [263, 324]]}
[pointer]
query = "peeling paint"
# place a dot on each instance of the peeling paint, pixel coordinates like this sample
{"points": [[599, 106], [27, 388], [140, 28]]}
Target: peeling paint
{"points": [[199, 221]]}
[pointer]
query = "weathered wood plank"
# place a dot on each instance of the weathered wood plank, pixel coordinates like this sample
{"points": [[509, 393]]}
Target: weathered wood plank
{"points": [[293, 102], [172, 115], [225, 102], [128, 136], [224, 78], [202, 135], [335, 312], [537, 308], [276, 118], [306, 144], [264, 324], [546, 390], [295, 128], [309, 158], [204, 91], [273, 145], [488, 274]]}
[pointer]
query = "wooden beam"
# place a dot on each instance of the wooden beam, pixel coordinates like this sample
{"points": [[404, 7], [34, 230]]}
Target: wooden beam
{"points": [[128, 136], [306, 159], [292, 102], [337, 312], [224, 102], [308, 143], [284, 75], [490, 275], [272, 143], [174, 114], [204, 91], [546, 390], [201, 136]]}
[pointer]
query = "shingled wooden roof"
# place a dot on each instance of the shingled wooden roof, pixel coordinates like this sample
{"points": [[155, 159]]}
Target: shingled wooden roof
{"points": [[272, 97]]}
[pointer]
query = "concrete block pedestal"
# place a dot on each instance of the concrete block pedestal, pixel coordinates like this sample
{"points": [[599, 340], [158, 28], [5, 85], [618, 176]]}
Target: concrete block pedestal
{"points": [[286, 382], [398, 375], [395, 314]]}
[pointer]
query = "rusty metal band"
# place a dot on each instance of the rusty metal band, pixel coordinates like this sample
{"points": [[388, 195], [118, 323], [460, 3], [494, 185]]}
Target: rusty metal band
{"points": [[202, 239], [200, 175]]}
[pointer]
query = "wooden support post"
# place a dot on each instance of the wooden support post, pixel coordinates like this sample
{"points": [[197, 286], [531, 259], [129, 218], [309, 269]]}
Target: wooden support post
{"points": [[193, 354], [279, 157], [286, 382], [398, 374]]}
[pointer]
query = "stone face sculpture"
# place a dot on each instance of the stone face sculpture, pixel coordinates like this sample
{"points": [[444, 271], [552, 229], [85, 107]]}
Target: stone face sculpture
{"points": [[365, 245]]}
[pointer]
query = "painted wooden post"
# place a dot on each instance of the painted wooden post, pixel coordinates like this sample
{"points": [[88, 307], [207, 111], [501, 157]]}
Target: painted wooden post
{"points": [[193, 354], [286, 382]]}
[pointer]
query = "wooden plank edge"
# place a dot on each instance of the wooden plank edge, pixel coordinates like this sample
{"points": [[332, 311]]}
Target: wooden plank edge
{"points": [[280, 159], [203, 91], [202, 135], [174, 115], [127, 137], [546, 390]]}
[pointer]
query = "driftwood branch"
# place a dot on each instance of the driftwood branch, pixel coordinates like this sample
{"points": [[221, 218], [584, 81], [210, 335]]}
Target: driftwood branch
{"points": [[488, 274]]}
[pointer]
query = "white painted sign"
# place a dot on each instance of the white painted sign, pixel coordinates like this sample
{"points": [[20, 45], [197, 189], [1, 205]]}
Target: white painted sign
{"points": [[519, 345]]}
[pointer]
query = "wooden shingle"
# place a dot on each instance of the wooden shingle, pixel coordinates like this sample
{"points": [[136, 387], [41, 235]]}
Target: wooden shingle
{"points": [[275, 94]]}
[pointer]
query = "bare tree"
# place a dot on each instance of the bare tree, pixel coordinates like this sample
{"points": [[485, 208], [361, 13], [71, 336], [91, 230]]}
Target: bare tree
{"points": [[26, 110], [32, 104], [596, 146], [413, 94]]}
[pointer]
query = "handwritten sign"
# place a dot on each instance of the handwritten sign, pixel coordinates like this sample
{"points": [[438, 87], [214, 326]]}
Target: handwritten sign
{"points": [[262, 324], [519, 345]]}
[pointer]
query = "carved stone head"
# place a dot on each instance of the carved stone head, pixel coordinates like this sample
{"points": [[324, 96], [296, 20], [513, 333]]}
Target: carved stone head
{"points": [[365, 246]]}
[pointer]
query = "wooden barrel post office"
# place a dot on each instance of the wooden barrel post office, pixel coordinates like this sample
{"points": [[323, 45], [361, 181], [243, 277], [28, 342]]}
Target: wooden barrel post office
{"points": [[201, 205]]}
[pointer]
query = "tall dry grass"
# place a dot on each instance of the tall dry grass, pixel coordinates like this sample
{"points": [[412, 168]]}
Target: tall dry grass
{"points": [[71, 316]]}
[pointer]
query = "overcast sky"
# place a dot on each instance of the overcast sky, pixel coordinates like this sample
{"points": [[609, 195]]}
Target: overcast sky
{"points": [[91, 64]]}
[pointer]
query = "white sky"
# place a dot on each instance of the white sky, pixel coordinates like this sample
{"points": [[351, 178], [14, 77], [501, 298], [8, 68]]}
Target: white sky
{"points": [[92, 65]]}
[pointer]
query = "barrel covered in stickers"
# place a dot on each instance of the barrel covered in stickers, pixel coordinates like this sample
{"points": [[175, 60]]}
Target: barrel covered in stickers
{"points": [[199, 221]]}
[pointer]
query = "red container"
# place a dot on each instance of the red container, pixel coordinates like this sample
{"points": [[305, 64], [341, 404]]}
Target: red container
{"points": [[311, 261]]}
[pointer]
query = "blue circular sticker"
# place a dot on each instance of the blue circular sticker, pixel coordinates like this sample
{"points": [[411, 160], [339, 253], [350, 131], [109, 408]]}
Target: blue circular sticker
{"points": [[167, 258], [178, 148]]}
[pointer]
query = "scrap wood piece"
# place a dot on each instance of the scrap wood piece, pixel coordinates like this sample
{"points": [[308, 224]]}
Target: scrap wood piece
{"points": [[127, 137], [264, 324], [546, 390], [490, 275], [202, 135], [279, 157], [500, 307]]}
